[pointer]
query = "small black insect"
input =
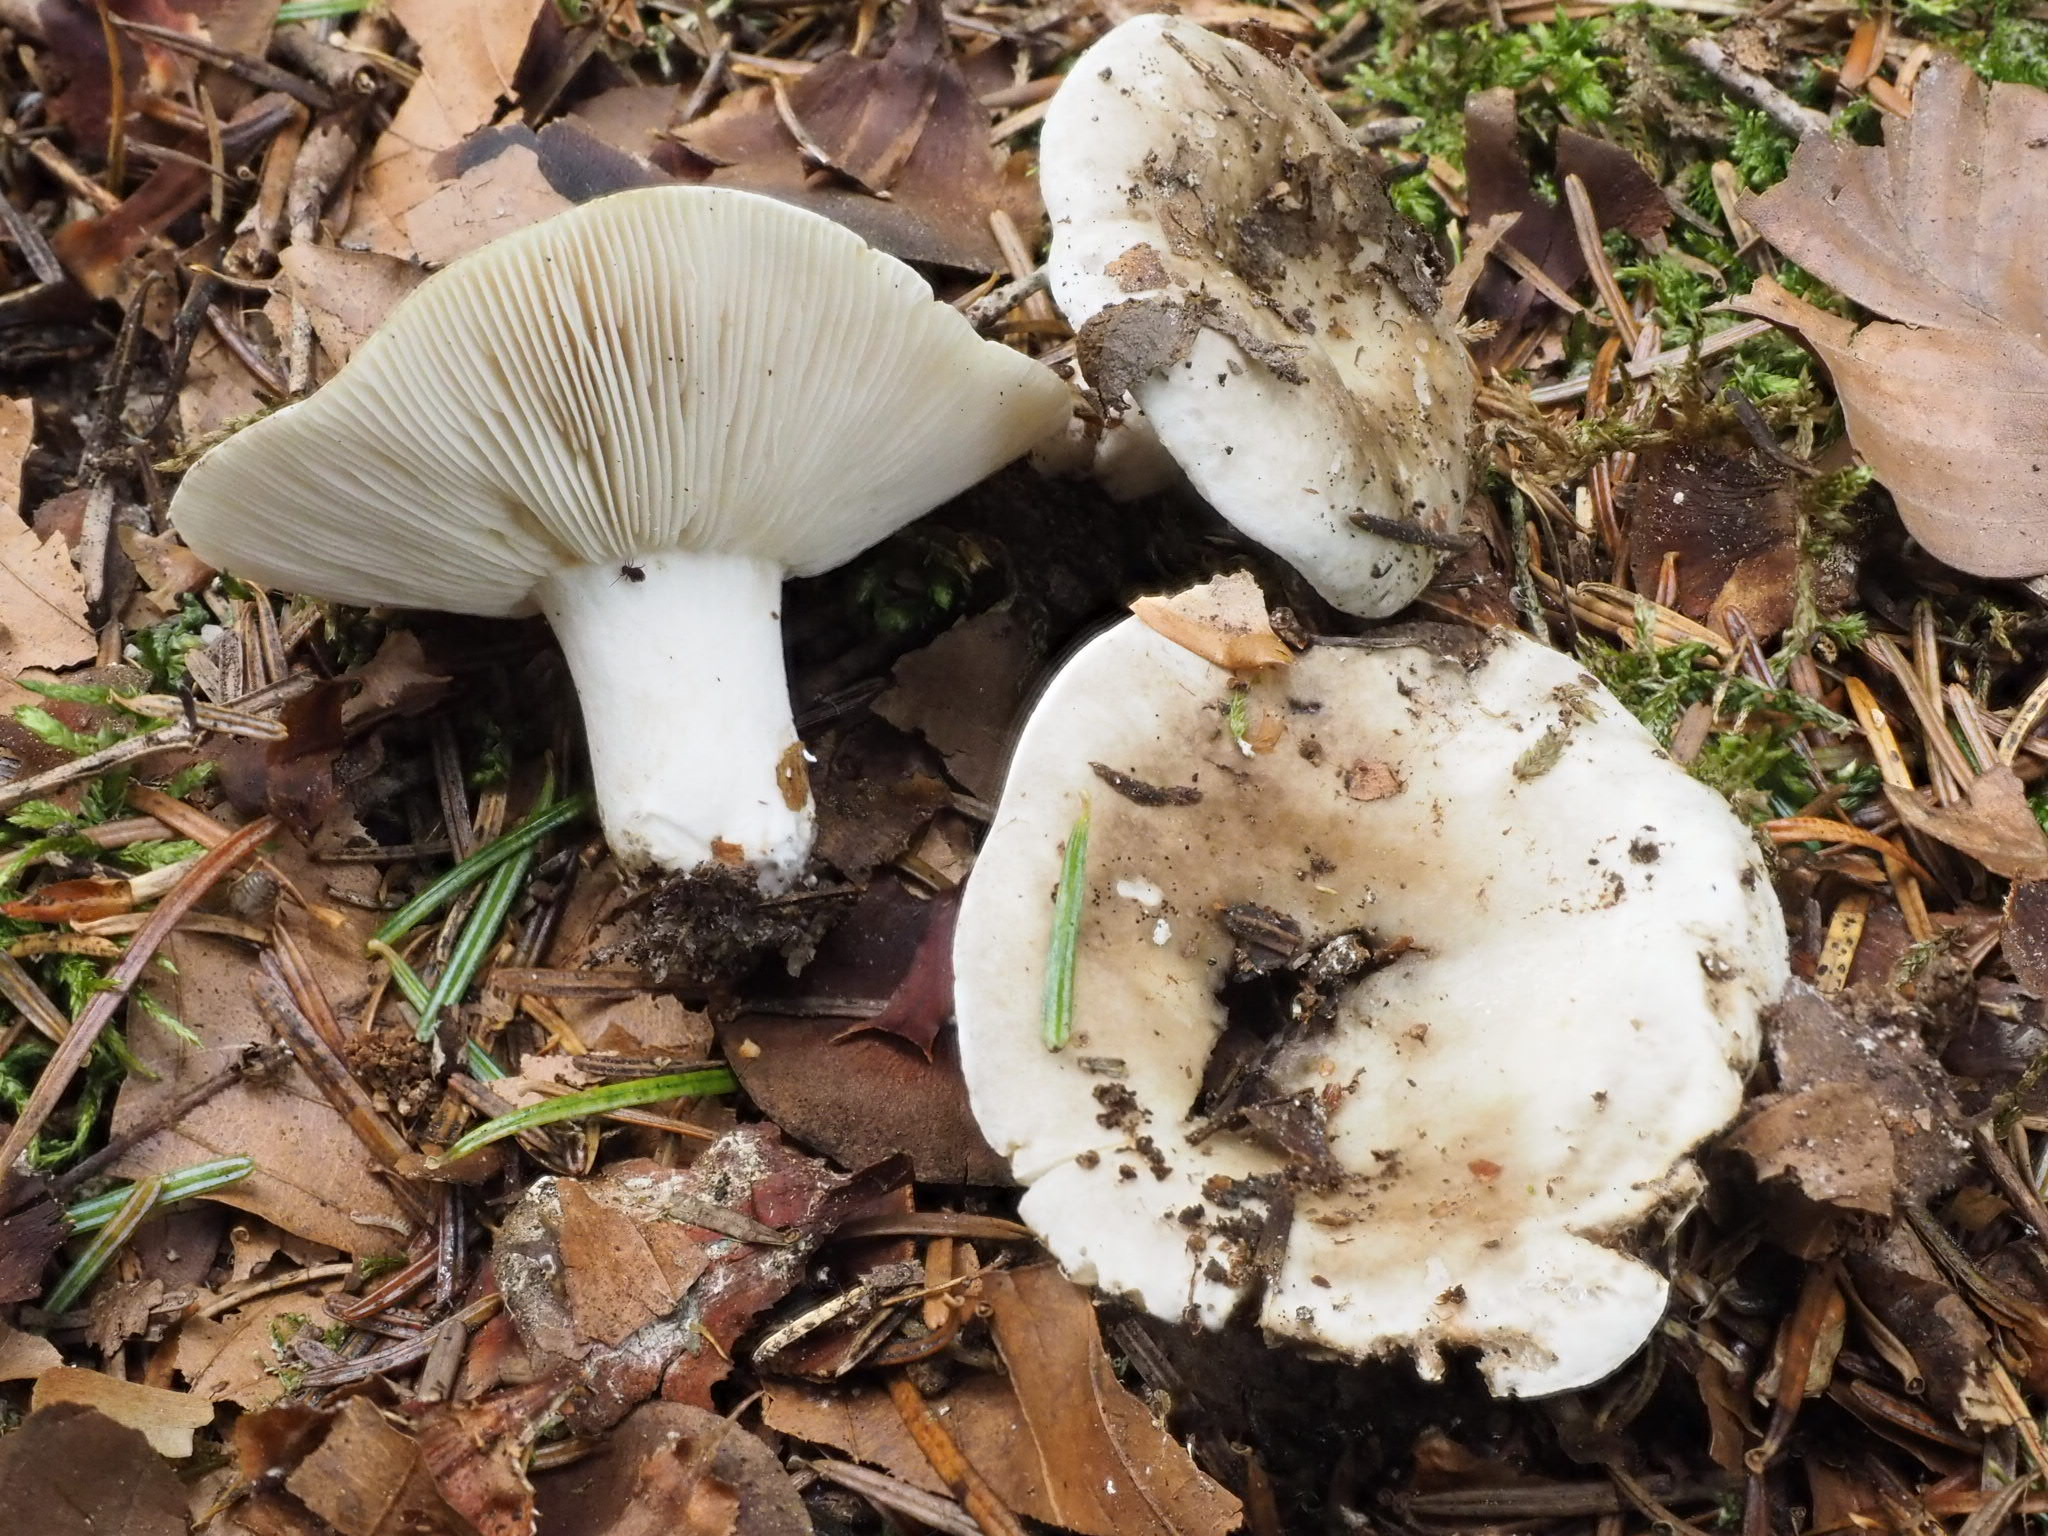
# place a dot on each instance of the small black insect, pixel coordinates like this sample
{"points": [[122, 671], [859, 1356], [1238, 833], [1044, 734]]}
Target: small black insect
{"points": [[632, 572]]}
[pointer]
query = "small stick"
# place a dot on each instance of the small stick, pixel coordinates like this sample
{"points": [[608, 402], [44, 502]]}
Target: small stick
{"points": [[329, 1072], [265, 76], [953, 1467], [1800, 122], [991, 307], [70, 1056], [1586, 225]]}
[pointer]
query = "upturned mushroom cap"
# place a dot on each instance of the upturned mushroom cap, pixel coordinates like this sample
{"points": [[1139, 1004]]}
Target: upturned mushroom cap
{"points": [[1229, 258], [1570, 944], [638, 417], [675, 368]]}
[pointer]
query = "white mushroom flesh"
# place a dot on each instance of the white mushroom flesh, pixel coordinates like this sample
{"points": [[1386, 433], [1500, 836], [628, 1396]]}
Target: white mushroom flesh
{"points": [[1591, 936], [638, 416], [1218, 237]]}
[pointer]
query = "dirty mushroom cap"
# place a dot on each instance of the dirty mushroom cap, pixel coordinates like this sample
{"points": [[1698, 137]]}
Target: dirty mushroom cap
{"points": [[1571, 943], [1229, 258], [637, 417]]}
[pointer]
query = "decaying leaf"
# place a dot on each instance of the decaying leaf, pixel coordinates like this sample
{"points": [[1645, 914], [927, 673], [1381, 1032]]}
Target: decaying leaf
{"points": [[477, 1454], [85, 1475], [906, 124], [673, 1470], [859, 1097], [1108, 1468], [313, 1177], [752, 1204], [235, 1359], [25, 1356], [1058, 1439], [347, 293], [366, 1477], [1729, 519], [1865, 1119], [167, 1420], [962, 693], [1993, 824], [1222, 621], [469, 53], [42, 596], [2026, 934], [1939, 231], [1499, 180]]}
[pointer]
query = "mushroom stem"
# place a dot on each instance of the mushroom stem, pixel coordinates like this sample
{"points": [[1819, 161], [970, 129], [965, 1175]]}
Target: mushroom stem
{"points": [[677, 657]]}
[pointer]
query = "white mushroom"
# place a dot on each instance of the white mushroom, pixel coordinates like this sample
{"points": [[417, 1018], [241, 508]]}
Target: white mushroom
{"points": [[1515, 956], [637, 417], [1231, 261]]}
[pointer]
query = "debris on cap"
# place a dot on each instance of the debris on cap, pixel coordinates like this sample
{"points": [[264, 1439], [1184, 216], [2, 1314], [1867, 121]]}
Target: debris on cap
{"points": [[1231, 262], [1346, 1050]]}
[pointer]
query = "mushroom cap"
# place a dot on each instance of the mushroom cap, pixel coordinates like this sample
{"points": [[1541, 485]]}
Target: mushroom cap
{"points": [[1227, 254], [669, 368], [1592, 937]]}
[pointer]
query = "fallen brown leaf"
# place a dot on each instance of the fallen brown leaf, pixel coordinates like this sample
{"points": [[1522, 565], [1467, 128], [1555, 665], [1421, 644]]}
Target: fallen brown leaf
{"points": [[1107, 1467], [312, 1176], [858, 1097], [42, 596], [477, 1453], [1728, 517], [347, 293], [17, 436], [667, 1466], [962, 692], [502, 194], [907, 124], [1939, 231], [621, 1274], [366, 1477], [1993, 824], [469, 53], [1499, 180], [234, 1359], [24, 1356], [752, 1176], [85, 1475], [167, 1420], [29, 1238]]}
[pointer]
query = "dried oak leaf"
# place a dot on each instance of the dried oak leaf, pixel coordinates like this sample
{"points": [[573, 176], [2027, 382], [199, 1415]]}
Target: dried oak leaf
{"points": [[1940, 231], [666, 1467], [85, 1475], [42, 596]]}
